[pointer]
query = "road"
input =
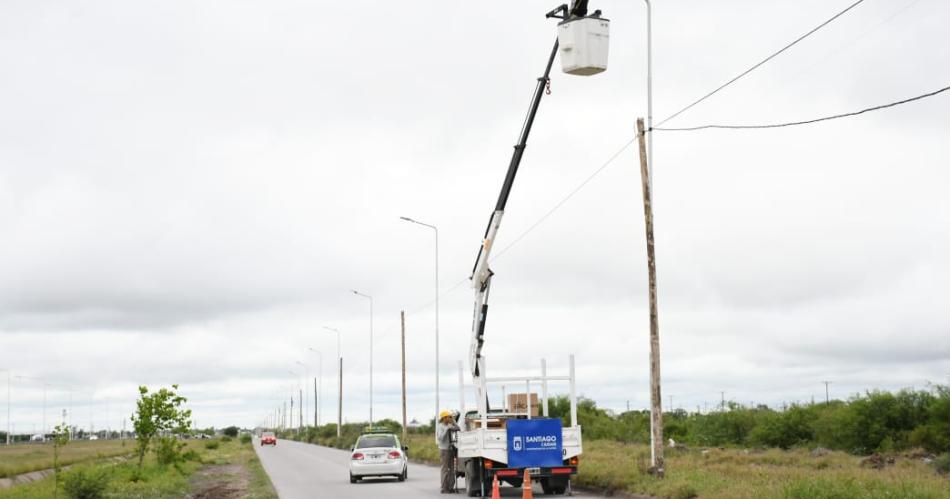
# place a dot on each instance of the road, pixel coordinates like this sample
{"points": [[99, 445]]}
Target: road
{"points": [[308, 471]]}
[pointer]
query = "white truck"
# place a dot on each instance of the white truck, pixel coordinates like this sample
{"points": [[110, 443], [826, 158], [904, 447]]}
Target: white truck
{"points": [[485, 433], [497, 442]]}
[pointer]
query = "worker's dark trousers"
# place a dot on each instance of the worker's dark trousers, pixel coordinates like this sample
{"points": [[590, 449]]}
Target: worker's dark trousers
{"points": [[447, 460]]}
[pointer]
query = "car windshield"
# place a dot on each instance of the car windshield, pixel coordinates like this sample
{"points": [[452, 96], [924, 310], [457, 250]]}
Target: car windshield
{"points": [[268, 434], [376, 441]]}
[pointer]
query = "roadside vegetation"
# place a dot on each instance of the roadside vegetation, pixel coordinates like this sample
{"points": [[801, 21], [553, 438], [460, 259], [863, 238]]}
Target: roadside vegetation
{"points": [[875, 445], [24, 458], [228, 468], [877, 421], [166, 464]]}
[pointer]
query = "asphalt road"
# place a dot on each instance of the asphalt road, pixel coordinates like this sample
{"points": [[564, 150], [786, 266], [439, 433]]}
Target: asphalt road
{"points": [[305, 471]]}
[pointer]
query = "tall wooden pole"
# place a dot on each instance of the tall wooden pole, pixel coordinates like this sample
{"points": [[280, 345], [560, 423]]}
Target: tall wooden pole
{"points": [[656, 409], [402, 320]]}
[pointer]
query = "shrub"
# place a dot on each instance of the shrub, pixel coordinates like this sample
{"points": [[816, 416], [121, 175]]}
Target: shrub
{"points": [[157, 413], [168, 450], [225, 439], [231, 431], [85, 484], [245, 439], [784, 429], [212, 444], [191, 455], [942, 463]]}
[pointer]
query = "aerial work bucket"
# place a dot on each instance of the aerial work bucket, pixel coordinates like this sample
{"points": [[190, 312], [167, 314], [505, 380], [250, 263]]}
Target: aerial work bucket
{"points": [[583, 44]]}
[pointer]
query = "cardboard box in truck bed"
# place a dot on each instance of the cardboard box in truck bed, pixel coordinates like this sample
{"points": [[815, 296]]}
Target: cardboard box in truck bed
{"points": [[517, 403]]}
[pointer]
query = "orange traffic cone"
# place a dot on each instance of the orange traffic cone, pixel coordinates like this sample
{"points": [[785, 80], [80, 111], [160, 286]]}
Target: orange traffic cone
{"points": [[526, 491], [495, 493]]}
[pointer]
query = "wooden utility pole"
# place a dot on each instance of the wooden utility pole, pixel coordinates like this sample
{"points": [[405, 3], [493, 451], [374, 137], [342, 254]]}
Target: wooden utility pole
{"points": [[827, 399], [656, 409], [402, 320]]}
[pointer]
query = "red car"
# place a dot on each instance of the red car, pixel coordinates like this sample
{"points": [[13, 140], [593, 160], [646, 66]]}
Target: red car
{"points": [[268, 438]]}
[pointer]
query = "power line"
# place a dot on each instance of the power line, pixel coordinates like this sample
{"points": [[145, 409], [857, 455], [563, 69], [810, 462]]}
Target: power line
{"points": [[614, 156], [805, 122], [563, 200], [537, 223], [760, 63]]}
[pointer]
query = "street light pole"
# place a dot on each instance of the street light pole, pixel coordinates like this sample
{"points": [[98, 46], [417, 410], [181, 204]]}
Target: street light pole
{"points": [[646, 155], [318, 393], [370, 352], [9, 375], [299, 403], [339, 408], [306, 376], [438, 407], [650, 92]]}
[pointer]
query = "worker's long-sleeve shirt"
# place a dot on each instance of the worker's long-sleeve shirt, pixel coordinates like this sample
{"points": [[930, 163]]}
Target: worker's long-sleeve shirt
{"points": [[443, 436]]}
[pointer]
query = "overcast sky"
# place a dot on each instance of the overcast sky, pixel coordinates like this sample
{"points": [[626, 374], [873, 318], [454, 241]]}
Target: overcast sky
{"points": [[189, 190]]}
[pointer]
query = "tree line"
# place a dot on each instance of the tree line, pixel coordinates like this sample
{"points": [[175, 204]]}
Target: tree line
{"points": [[876, 421]]}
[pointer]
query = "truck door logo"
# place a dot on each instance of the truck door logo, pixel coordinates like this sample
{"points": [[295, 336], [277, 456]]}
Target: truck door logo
{"points": [[516, 443]]}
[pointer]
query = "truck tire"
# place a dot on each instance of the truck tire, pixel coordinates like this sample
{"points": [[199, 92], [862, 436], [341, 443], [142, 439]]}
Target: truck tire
{"points": [[554, 486], [473, 478]]}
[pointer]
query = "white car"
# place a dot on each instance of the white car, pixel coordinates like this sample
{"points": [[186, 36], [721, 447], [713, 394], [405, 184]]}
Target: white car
{"points": [[378, 454]]}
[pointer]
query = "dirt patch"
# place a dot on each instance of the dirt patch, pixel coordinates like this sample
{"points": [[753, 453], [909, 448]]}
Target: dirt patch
{"points": [[228, 481]]}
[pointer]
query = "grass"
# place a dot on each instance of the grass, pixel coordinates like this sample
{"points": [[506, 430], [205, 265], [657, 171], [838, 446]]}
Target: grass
{"points": [[609, 466], [737, 473], [230, 463], [24, 458]]}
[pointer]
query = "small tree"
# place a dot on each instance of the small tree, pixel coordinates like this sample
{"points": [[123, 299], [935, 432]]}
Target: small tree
{"points": [[159, 413], [60, 438], [231, 431]]}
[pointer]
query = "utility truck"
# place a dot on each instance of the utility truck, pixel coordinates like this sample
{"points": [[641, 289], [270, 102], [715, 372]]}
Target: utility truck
{"points": [[505, 443]]}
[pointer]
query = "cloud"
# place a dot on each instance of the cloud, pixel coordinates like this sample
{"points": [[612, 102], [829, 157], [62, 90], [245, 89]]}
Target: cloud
{"points": [[189, 192]]}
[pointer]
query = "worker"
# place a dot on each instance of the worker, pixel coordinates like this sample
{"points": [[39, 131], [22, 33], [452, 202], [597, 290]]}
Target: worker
{"points": [[443, 437]]}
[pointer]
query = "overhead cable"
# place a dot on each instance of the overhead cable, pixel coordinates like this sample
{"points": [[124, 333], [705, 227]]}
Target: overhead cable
{"points": [[804, 122], [763, 61]]}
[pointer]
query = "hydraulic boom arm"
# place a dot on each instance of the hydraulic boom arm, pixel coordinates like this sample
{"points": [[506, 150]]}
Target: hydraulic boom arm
{"points": [[481, 273]]}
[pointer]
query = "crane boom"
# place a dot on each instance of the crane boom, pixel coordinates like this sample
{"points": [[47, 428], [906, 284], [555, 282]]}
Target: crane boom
{"points": [[481, 273]]}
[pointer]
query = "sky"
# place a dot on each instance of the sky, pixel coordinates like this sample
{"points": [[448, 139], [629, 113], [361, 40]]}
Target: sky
{"points": [[190, 190]]}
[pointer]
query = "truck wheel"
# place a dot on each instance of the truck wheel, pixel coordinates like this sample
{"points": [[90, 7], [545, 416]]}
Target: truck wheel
{"points": [[473, 479], [554, 486]]}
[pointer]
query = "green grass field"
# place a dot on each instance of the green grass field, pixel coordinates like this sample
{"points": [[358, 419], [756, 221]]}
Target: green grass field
{"points": [[229, 470], [608, 466], [23, 458]]}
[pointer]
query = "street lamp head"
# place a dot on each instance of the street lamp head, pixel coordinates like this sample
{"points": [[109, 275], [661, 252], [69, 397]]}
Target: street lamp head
{"points": [[407, 219]]}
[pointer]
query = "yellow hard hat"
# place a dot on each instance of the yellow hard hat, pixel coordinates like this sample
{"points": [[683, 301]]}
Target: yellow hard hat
{"points": [[444, 414]]}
